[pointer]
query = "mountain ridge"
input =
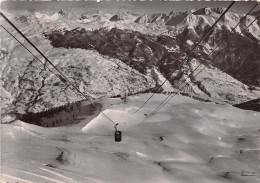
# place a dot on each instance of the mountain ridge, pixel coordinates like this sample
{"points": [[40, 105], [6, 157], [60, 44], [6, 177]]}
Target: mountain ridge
{"points": [[137, 48]]}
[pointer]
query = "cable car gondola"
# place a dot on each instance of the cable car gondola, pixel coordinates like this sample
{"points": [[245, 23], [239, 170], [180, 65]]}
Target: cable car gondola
{"points": [[118, 134]]}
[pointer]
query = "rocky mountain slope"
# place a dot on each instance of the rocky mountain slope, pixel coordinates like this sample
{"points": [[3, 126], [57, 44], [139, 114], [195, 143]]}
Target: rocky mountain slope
{"points": [[34, 88], [107, 54], [250, 105]]}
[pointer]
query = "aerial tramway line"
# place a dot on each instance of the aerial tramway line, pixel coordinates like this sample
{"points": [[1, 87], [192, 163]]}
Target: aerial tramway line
{"points": [[63, 78], [168, 98], [188, 56]]}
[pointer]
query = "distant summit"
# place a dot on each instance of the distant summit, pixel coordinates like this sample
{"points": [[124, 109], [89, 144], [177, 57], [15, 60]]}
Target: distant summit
{"points": [[115, 18], [208, 11], [124, 17], [63, 12], [150, 18]]}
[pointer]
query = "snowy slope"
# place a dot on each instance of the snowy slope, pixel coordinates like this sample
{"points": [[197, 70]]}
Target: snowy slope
{"points": [[188, 141], [95, 75], [220, 85], [99, 70], [33, 88], [167, 87]]}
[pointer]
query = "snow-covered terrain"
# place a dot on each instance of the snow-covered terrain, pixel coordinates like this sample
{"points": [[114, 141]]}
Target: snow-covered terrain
{"points": [[188, 141], [107, 55]]}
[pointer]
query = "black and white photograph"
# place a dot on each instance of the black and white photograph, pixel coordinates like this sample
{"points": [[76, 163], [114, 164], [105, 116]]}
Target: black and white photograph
{"points": [[129, 91]]}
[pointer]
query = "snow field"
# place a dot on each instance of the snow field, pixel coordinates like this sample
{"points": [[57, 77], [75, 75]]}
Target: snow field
{"points": [[187, 141]]}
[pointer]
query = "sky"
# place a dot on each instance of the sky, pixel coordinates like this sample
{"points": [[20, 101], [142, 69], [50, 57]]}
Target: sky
{"points": [[154, 6]]}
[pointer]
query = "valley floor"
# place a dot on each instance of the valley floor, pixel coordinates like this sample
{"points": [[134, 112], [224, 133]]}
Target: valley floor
{"points": [[186, 141]]}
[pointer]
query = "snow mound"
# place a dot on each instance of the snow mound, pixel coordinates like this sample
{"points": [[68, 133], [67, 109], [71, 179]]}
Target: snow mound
{"points": [[167, 85], [47, 18], [102, 126]]}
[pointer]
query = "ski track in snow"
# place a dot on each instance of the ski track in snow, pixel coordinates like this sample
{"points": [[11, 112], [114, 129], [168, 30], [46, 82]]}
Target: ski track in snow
{"points": [[59, 175], [37, 176], [3, 176], [187, 141]]}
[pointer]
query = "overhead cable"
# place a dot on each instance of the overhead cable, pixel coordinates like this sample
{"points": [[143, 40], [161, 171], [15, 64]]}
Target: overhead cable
{"points": [[187, 57], [168, 98], [63, 77]]}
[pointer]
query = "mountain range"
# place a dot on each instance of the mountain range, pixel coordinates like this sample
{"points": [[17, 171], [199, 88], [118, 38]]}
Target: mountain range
{"points": [[106, 55]]}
